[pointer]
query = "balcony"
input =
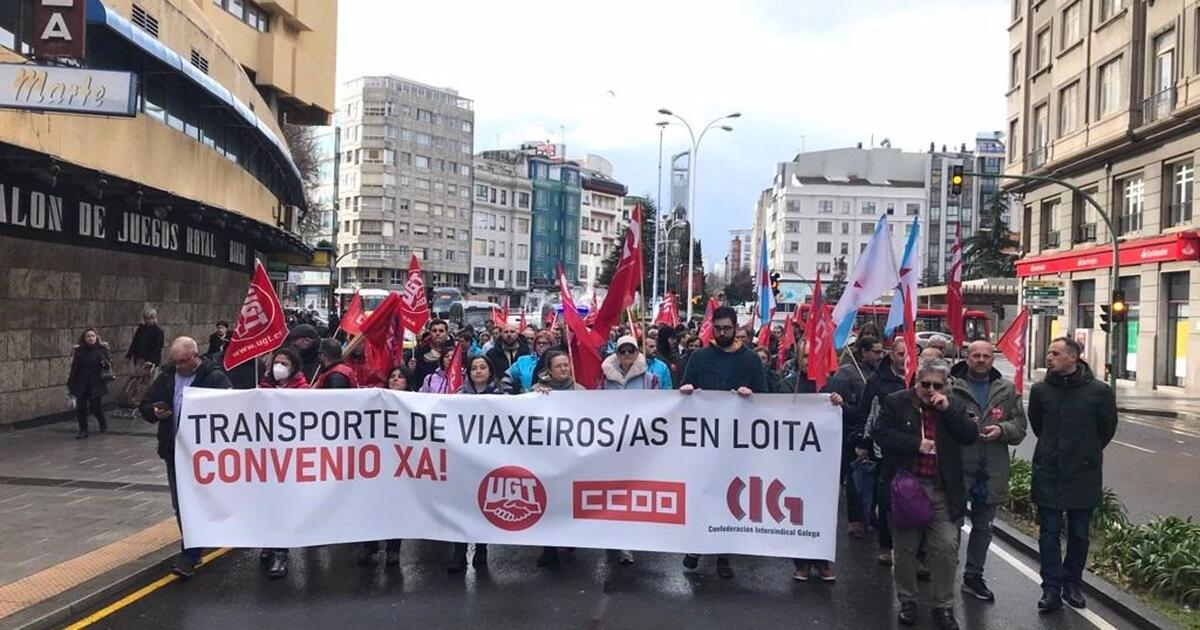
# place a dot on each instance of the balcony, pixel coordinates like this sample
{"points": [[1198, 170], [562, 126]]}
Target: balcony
{"points": [[1158, 106], [1084, 233], [1049, 239], [1035, 159], [1179, 213]]}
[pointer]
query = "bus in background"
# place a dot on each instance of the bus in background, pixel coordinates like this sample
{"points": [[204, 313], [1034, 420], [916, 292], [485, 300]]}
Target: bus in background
{"points": [[476, 314], [371, 298], [443, 299], [976, 324]]}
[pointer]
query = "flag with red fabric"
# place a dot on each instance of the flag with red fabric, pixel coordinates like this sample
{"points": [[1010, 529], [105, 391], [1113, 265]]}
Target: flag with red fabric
{"points": [[521, 325], [787, 342], [668, 311], [583, 345], [706, 326], [383, 334], [454, 374], [910, 338], [764, 336], [260, 326], [954, 298], [818, 332], [633, 325], [355, 316], [1012, 346], [414, 311], [626, 278]]}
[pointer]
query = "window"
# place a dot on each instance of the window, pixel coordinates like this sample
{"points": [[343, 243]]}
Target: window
{"points": [[1176, 290], [1132, 202], [522, 200], [479, 275], [868, 207], [522, 226], [480, 247], [1162, 77], [481, 192], [1013, 130], [891, 207], [1109, 8], [793, 247], [846, 247], [845, 227], [912, 209], [1016, 10], [823, 267], [1014, 69], [866, 228], [1084, 292], [1179, 208], [1072, 20], [845, 207], [1041, 47], [824, 227], [522, 276], [793, 206], [823, 247], [522, 252], [425, 116], [825, 206], [1068, 109], [1109, 96], [247, 12]]}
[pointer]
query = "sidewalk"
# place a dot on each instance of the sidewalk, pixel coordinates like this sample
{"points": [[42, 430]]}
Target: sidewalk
{"points": [[78, 511], [1164, 403]]}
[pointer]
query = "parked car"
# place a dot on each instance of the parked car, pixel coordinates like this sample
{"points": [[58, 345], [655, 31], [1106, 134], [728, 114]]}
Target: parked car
{"points": [[926, 336]]}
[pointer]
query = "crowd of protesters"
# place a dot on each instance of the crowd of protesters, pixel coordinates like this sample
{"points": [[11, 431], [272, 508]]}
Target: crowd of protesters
{"points": [[917, 457]]}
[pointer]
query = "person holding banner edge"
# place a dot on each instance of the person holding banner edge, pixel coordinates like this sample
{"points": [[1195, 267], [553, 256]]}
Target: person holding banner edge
{"points": [[482, 378], [163, 405], [286, 373]]}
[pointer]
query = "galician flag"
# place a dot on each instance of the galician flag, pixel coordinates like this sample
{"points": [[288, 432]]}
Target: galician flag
{"points": [[909, 266], [874, 274], [766, 297]]}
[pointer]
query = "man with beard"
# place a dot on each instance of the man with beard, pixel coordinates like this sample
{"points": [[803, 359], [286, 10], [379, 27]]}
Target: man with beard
{"points": [[428, 355], [305, 339], [724, 365], [507, 347]]}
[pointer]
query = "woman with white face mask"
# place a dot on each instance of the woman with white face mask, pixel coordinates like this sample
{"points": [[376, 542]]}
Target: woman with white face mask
{"points": [[285, 372]]}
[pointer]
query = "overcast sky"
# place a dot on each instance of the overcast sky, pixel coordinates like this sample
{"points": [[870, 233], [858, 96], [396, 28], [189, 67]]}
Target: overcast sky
{"points": [[817, 74]]}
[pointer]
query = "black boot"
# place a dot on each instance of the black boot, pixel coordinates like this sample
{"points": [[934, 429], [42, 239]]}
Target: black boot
{"points": [[908, 613], [279, 564], [944, 618], [81, 435], [1072, 596], [1051, 599], [458, 560], [549, 557], [480, 559]]}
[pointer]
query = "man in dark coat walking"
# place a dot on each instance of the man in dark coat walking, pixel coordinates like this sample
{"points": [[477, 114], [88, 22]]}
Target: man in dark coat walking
{"points": [[147, 343], [1074, 417], [163, 405]]}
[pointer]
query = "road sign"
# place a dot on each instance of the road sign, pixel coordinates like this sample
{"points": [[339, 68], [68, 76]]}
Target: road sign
{"points": [[1052, 312], [1043, 293], [1043, 283]]}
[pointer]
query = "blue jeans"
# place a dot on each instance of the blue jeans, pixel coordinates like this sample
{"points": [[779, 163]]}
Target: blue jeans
{"points": [[1057, 572], [194, 553]]}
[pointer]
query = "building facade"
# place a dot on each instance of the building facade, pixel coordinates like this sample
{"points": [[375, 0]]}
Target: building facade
{"points": [[165, 200], [556, 208], [500, 227], [404, 183], [971, 209], [1100, 96], [602, 201], [741, 253]]}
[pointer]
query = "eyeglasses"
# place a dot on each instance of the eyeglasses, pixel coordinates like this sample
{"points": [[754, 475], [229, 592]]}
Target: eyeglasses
{"points": [[932, 385], [626, 350]]}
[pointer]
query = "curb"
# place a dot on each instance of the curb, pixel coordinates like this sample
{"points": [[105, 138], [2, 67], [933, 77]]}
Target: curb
{"points": [[1162, 413], [1095, 586], [57, 610]]}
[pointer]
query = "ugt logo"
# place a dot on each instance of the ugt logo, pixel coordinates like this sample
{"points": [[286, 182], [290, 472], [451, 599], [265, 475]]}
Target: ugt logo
{"points": [[512, 498], [774, 501]]}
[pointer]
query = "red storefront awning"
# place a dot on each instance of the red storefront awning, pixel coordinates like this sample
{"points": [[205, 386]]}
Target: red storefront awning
{"points": [[1167, 248]]}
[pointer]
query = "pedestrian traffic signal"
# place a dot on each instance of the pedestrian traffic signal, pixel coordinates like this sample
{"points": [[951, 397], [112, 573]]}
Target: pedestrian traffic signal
{"points": [[775, 283], [956, 180], [1120, 310], [1106, 317]]}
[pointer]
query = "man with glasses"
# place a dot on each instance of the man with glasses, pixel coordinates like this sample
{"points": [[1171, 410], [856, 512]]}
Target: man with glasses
{"points": [[1074, 417], [849, 382], [921, 432], [163, 405], [724, 365]]}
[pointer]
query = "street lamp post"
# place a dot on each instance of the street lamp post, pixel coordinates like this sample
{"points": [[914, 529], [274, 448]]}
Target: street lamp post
{"points": [[667, 255], [662, 125], [692, 193]]}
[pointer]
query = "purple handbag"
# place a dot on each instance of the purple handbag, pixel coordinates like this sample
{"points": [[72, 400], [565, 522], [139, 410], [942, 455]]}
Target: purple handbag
{"points": [[911, 508]]}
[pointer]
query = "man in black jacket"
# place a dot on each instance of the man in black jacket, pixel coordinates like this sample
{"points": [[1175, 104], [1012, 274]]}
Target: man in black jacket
{"points": [[1074, 417], [163, 405], [886, 380], [428, 354], [921, 431], [307, 341], [506, 348], [147, 343]]}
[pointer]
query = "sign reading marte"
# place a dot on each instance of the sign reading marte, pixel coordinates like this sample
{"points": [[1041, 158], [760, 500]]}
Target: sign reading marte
{"points": [[76, 90]]}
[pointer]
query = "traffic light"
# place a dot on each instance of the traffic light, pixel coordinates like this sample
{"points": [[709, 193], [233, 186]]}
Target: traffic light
{"points": [[1106, 317], [1120, 310], [956, 180]]}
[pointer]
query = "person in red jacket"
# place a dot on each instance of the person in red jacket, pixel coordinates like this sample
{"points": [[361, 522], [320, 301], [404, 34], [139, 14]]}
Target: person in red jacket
{"points": [[333, 373], [285, 372]]}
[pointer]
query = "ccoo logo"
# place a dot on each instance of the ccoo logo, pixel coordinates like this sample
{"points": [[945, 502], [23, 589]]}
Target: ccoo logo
{"points": [[512, 498], [774, 501]]}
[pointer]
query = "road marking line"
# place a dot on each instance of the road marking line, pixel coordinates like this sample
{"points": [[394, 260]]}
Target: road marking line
{"points": [[1027, 571], [1160, 427], [139, 594], [1135, 447]]}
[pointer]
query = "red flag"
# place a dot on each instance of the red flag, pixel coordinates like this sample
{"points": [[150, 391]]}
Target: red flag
{"points": [[633, 326], [548, 320], [352, 322], [818, 332], [260, 324], [668, 312], [910, 338], [1012, 346], [454, 374], [521, 326], [954, 299], [499, 318], [706, 326], [626, 278], [764, 334], [384, 335], [414, 309], [582, 344], [788, 341]]}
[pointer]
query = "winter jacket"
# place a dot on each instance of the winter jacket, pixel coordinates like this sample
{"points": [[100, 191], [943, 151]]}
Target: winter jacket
{"points": [[898, 433], [310, 356], [788, 384], [491, 388], [498, 355], [297, 381], [883, 383], [851, 384], [216, 345], [660, 370], [546, 385], [147, 345], [86, 379], [428, 361], [1074, 418], [520, 373], [336, 376], [1003, 410], [435, 383], [636, 378], [162, 390], [712, 368]]}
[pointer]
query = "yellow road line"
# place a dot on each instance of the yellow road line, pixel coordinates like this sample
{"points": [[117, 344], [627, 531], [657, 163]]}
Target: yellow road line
{"points": [[139, 594]]}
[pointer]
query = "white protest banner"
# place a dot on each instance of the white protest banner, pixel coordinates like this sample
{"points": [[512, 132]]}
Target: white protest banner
{"points": [[658, 471]]}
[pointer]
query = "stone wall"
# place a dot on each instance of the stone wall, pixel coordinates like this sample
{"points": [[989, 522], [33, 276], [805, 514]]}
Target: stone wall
{"points": [[49, 293]]}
